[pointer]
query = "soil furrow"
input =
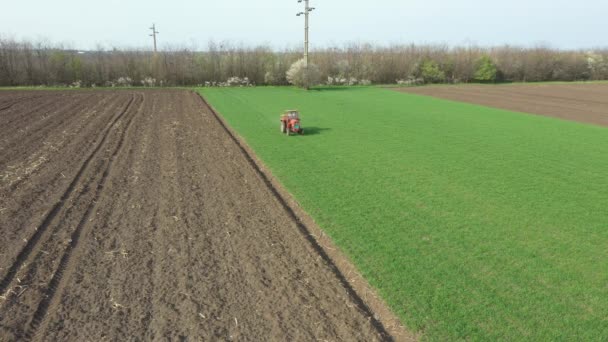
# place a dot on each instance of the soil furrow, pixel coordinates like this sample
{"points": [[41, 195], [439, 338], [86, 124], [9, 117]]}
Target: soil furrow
{"points": [[13, 121], [53, 137], [33, 240], [16, 101], [51, 122], [54, 288], [42, 184]]}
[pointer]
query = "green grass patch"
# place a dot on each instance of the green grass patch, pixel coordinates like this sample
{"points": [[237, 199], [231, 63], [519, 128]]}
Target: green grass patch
{"points": [[473, 223]]}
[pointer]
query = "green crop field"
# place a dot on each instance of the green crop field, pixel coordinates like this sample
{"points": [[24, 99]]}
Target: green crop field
{"points": [[472, 223]]}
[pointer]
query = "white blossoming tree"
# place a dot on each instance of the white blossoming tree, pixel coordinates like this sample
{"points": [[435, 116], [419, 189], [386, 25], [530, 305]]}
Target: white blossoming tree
{"points": [[302, 76]]}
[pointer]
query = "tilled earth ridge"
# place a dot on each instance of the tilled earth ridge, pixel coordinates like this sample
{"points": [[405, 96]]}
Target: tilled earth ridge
{"points": [[586, 103], [133, 215]]}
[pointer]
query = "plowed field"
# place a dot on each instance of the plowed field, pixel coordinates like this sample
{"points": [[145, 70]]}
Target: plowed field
{"points": [[586, 103], [135, 215]]}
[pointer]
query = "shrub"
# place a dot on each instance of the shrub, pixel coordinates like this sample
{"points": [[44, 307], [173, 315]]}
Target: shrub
{"points": [[302, 76], [598, 66], [343, 67], [431, 73], [269, 78], [485, 70], [124, 82], [236, 81], [337, 80], [148, 82], [410, 81]]}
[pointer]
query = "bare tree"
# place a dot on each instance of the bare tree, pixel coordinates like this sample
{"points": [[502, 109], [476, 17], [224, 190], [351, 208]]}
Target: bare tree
{"points": [[43, 63]]}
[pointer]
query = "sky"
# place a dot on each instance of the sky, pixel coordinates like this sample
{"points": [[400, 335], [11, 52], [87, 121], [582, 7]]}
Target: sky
{"points": [[82, 24]]}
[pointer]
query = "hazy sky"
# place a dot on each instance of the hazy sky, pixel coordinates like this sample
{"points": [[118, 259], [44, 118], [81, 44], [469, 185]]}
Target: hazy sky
{"points": [[192, 23]]}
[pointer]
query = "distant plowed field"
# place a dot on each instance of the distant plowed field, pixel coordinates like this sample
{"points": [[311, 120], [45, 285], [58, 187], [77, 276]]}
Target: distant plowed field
{"points": [[578, 102], [133, 215]]}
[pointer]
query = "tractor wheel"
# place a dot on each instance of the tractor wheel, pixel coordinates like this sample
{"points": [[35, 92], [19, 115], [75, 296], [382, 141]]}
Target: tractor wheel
{"points": [[282, 127]]}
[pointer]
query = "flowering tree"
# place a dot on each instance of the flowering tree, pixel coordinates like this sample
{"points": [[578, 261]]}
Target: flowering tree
{"points": [[302, 76]]}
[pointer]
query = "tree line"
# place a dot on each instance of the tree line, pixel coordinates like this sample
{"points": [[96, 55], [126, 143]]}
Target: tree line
{"points": [[25, 63]]}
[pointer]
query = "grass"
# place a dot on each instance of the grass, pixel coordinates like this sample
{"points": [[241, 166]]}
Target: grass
{"points": [[473, 223]]}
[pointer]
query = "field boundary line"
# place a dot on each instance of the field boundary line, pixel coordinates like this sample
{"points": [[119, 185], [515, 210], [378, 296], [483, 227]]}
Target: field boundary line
{"points": [[56, 285], [32, 242], [358, 289]]}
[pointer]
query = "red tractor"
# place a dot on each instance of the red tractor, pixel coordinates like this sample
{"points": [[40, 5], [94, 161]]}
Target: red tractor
{"points": [[290, 122]]}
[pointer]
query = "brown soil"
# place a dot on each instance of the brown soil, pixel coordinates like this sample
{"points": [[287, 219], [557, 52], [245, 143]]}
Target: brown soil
{"points": [[586, 103], [137, 215]]}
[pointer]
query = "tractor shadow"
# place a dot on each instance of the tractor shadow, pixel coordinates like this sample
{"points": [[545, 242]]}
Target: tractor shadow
{"points": [[315, 130]]}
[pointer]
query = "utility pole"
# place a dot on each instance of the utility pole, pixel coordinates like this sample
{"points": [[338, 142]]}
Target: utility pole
{"points": [[153, 35], [307, 10]]}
